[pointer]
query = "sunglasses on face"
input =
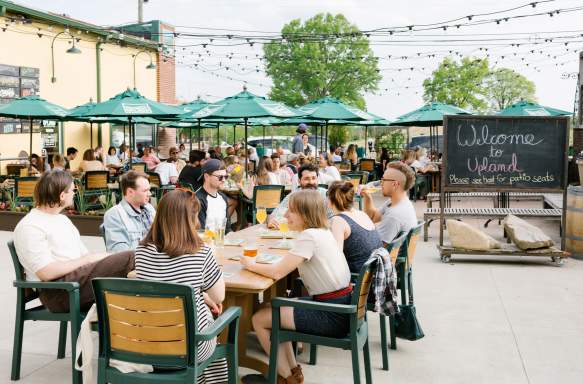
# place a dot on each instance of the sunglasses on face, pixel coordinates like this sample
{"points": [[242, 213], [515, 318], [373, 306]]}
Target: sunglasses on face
{"points": [[220, 177]]}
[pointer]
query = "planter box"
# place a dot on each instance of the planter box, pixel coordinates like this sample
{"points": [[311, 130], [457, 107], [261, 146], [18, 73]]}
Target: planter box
{"points": [[87, 225]]}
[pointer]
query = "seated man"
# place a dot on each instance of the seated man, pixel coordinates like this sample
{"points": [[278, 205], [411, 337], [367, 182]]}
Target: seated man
{"points": [[398, 213], [167, 170], [192, 171], [49, 246], [307, 179], [213, 203], [129, 221]]}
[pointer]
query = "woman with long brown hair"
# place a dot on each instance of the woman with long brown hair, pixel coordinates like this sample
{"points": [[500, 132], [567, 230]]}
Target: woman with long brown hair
{"points": [[173, 252]]}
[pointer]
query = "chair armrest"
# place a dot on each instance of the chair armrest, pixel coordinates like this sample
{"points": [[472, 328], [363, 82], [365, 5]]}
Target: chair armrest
{"points": [[68, 286], [314, 305], [230, 315]]}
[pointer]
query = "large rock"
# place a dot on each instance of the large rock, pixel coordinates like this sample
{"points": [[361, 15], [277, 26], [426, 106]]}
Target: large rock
{"points": [[465, 236], [524, 235]]}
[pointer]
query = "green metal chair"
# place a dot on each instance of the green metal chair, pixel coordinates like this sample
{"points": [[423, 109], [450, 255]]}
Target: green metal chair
{"points": [[24, 190], [25, 294], [93, 186], [151, 322], [356, 339], [266, 196], [142, 167]]}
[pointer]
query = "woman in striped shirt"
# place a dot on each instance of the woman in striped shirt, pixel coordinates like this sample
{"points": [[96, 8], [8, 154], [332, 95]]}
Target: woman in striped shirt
{"points": [[173, 252]]}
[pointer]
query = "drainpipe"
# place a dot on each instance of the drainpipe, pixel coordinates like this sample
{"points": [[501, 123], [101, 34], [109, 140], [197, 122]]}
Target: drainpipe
{"points": [[98, 85]]}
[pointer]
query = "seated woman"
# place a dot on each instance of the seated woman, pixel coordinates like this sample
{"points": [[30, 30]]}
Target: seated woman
{"points": [[354, 231], [328, 169], [112, 162], [181, 257], [89, 163], [324, 272], [283, 175], [351, 156]]}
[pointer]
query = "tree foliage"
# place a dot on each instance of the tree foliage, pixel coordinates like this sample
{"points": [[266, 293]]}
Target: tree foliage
{"points": [[458, 83], [337, 135], [471, 83], [324, 56], [505, 87]]}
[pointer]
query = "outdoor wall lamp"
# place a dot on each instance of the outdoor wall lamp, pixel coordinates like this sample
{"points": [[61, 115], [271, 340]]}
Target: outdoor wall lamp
{"points": [[149, 66], [73, 50]]}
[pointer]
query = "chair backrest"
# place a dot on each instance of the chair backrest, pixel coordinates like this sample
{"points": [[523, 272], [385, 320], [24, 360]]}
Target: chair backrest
{"points": [[146, 322], [154, 179], [367, 165], [18, 269], [362, 289], [343, 165], [14, 169], [96, 179], [394, 246], [412, 238], [102, 232], [140, 167], [267, 196], [24, 187]]}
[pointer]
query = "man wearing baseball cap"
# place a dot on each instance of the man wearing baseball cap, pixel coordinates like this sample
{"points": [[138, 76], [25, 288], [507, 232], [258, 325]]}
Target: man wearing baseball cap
{"points": [[213, 203], [297, 144]]}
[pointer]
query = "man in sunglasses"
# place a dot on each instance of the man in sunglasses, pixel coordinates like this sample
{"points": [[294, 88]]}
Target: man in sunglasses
{"points": [[213, 203], [398, 213]]}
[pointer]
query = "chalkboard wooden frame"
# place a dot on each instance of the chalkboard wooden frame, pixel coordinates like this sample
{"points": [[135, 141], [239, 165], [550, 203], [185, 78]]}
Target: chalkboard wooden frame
{"points": [[446, 187]]}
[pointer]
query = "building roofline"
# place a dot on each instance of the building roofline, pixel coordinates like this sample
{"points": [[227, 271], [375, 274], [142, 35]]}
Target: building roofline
{"points": [[52, 18]]}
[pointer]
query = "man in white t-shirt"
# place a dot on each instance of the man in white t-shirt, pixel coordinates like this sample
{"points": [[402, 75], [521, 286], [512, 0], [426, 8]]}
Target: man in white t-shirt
{"points": [[398, 213], [213, 203], [49, 246], [167, 171]]}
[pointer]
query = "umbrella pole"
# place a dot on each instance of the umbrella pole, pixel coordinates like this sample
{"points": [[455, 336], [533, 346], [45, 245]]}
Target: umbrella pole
{"points": [[234, 134], [91, 134], [124, 134], [263, 134], [218, 134], [317, 140], [199, 134], [365, 139], [190, 137], [326, 136], [132, 142], [30, 148], [246, 154]]}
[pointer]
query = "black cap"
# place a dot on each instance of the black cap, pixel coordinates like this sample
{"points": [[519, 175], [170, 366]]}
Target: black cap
{"points": [[210, 166]]}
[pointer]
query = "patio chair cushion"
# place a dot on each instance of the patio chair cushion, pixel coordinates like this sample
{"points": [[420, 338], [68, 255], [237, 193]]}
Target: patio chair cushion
{"points": [[463, 235], [524, 235]]}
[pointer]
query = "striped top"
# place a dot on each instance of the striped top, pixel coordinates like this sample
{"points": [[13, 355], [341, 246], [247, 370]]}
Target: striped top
{"points": [[201, 272]]}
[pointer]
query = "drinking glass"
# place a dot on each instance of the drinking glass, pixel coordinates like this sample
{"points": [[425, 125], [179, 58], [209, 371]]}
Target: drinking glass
{"points": [[284, 228], [261, 215], [220, 229]]}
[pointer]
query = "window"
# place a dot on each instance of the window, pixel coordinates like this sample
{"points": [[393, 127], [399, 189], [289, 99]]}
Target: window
{"points": [[17, 82]]}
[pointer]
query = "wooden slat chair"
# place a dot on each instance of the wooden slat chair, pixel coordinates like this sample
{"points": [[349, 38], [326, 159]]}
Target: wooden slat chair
{"points": [[405, 270], [14, 169], [142, 167], [151, 322], [24, 190], [356, 178], [94, 185], [356, 339], [343, 165], [25, 294], [393, 248], [155, 185], [266, 196], [368, 165]]}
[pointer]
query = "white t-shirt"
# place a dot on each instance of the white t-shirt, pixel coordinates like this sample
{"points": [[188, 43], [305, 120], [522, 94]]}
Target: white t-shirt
{"points": [[216, 210], [166, 170], [333, 172], [396, 219], [325, 269], [42, 238], [273, 178]]}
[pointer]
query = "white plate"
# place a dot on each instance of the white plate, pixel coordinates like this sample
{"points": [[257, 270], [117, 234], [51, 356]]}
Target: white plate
{"points": [[262, 258]]}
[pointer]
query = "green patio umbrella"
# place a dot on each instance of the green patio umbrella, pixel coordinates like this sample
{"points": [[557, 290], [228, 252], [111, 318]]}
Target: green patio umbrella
{"points": [[527, 108], [131, 104], [32, 108], [377, 121], [245, 105], [430, 115]]}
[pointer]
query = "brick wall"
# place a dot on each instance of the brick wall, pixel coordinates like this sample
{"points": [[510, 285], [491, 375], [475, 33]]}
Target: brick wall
{"points": [[166, 72]]}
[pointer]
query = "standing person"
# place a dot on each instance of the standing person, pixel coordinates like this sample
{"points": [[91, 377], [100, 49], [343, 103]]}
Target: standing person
{"points": [[397, 214], [192, 172], [89, 163], [71, 155], [126, 223], [150, 159], [324, 272], [297, 144], [49, 246], [354, 231], [180, 256], [213, 202]]}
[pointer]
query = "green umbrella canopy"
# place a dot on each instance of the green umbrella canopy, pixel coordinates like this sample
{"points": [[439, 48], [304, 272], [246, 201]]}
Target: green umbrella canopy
{"points": [[245, 105], [33, 107], [186, 124], [430, 114], [329, 108], [131, 104], [526, 108], [83, 113], [193, 106]]}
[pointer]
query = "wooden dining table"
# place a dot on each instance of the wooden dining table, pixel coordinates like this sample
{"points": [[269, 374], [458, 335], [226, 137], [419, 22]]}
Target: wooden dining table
{"points": [[243, 287]]}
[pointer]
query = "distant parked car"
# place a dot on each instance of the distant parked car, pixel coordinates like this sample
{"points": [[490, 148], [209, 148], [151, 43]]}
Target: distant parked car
{"points": [[423, 141], [284, 141]]}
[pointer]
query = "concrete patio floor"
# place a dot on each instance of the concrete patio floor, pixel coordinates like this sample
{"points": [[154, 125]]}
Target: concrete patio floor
{"points": [[486, 320]]}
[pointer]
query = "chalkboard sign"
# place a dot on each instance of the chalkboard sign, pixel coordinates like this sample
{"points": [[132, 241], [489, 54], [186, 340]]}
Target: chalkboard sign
{"points": [[504, 153]]}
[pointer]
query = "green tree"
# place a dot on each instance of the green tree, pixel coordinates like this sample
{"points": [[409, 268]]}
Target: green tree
{"points": [[459, 83], [324, 56], [337, 135], [505, 87]]}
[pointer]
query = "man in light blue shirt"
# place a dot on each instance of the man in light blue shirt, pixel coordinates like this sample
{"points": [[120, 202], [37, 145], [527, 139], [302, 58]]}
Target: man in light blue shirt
{"points": [[129, 221], [308, 179]]}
